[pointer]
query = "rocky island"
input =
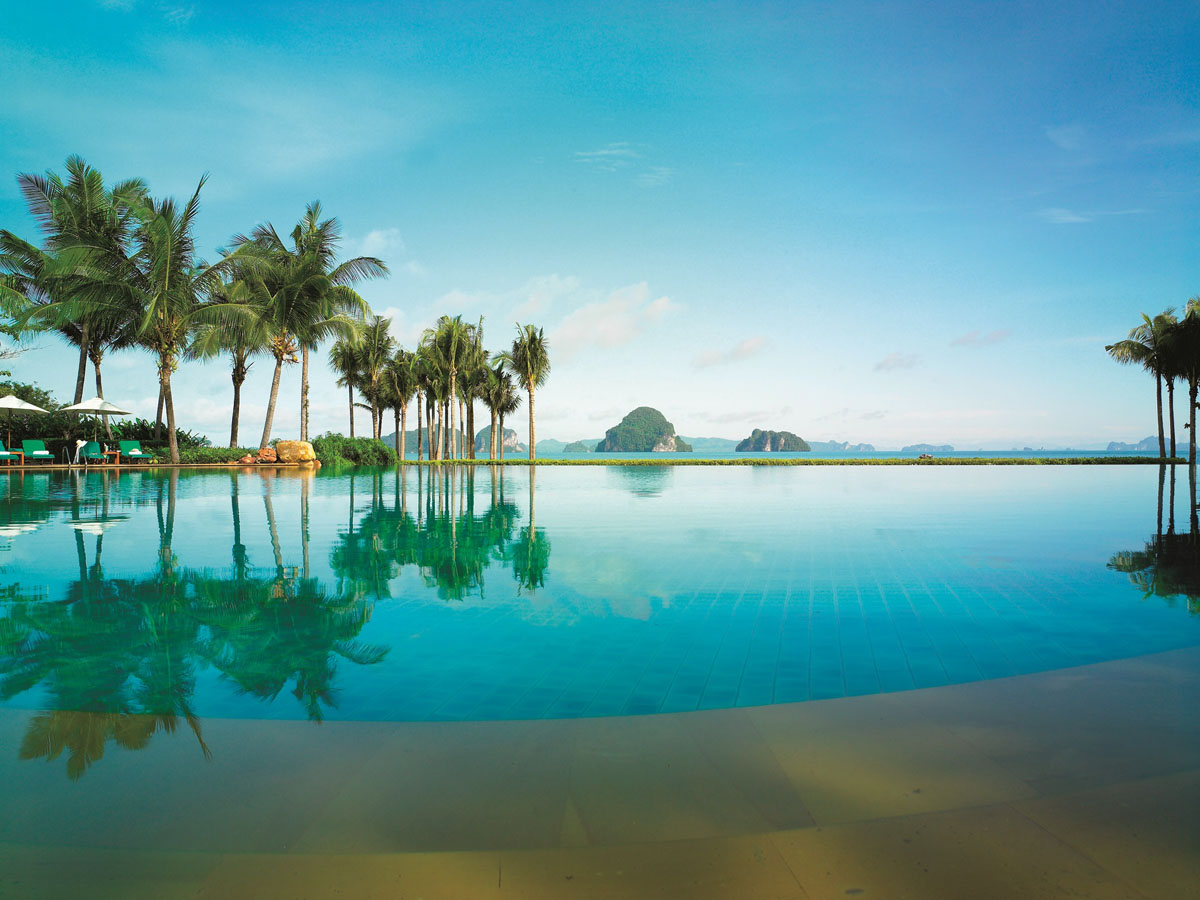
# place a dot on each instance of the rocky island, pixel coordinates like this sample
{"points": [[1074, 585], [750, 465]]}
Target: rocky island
{"points": [[772, 442], [841, 446], [644, 430], [927, 448]]}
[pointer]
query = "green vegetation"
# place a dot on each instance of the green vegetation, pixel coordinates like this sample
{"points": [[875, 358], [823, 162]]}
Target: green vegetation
{"points": [[119, 269], [335, 449], [644, 430], [577, 447], [794, 461], [773, 441]]}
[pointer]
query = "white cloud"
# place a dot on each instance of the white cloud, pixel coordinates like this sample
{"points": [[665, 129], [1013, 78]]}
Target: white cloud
{"points": [[975, 339], [656, 176], [386, 244], [897, 360], [1056, 215], [618, 319], [610, 157], [740, 351]]}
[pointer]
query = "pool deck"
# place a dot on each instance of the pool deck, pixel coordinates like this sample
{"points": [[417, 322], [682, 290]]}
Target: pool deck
{"points": [[1081, 782]]}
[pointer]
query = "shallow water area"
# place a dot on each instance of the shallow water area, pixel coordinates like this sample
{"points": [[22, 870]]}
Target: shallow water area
{"points": [[601, 681]]}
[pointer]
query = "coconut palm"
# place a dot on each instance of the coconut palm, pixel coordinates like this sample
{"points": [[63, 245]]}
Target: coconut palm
{"points": [[529, 361], [313, 296], [400, 384], [1180, 353], [1142, 347], [76, 215], [374, 352], [343, 359], [451, 339], [243, 338]]}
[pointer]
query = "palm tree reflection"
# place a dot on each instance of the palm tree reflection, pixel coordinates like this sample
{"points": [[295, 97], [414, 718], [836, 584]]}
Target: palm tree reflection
{"points": [[1168, 566]]}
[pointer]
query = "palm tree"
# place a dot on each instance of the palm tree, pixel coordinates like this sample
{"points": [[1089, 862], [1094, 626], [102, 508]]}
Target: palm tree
{"points": [[343, 359], [529, 361], [508, 401], [312, 293], [76, 216], [498, 388], [1142, 347], [374, 353], [400, 384], [242, 338], [1180, 354], [451, 340]]}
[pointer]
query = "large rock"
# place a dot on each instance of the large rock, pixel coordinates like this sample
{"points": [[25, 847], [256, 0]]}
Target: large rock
{"points": [[644, 430], [294, 451], [266, 455]]}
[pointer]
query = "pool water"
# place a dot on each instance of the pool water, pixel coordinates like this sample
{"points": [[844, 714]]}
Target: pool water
{"points": [[477, 594]]}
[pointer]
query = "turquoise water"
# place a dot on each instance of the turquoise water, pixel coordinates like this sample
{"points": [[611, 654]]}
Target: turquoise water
{"points": [[569, 592]]}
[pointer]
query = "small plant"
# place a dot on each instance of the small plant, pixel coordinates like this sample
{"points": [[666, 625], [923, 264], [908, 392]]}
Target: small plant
{"points": [[143, 430], [336, 449]]}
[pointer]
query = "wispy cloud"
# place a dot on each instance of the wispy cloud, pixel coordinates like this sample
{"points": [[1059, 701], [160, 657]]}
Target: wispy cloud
{"points": [[386, 244], [618, 319], [760, 417], [897, 360], [740, 351], [176, 14], [656, 176], [1057, 215], [610, 157], [846, 413], [975, 339]]}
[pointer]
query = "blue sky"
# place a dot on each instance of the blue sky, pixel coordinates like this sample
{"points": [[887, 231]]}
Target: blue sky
{"points": [[883, 222]]}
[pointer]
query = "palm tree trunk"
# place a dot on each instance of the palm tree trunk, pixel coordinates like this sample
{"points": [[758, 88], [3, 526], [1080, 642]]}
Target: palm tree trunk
{"points": [[1162, 443], [266, 435], [450, 419], [350, 394], [1171, 411], [501, 456], [492, 447], [471, 429], [304, 393], [403, 429], [532, 436], [1193, 385], [418, 426], [396, 436], [158, 416], [165, 380], [81, 374], [237, 412], [95, 357]]}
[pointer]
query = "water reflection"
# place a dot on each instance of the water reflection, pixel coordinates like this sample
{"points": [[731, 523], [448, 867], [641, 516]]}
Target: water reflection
{"points": [[642, 481], [116, 659], [1168, 566]]}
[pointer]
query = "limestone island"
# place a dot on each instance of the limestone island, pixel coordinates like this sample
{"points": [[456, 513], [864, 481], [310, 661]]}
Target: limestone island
{"points": [[644, 430], [927, 448], [772, 442], [577, 447]]}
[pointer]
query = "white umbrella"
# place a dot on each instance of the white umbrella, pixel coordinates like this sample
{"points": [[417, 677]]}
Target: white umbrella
{"points": [[11, 402], [98, 406]]}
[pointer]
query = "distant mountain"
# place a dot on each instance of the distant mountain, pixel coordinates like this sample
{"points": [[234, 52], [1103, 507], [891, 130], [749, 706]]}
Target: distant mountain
{"points": [[410, 440], [644, 430], [549, 445], [772, 442], [578, 447], [710, 444], [483, 442], [1145, 444], [927, 448], [841, 446]]}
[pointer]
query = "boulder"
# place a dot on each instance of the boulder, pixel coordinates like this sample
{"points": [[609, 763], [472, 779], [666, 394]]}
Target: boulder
{"points": [[246, 460], [294, 451], [266, 455]]}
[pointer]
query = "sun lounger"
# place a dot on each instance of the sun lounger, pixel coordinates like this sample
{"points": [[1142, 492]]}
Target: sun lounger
{"points": [[6, 456], [36, 450], [91, 452], [132, 451]]}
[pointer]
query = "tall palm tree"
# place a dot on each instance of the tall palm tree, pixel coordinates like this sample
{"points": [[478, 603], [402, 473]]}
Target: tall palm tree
{"points": [[400, 384], [529, 361], [374, 353], [451, 339], [314, 297], [497, 389], [242, 337], [76, 216], [1180, 352], [343, 359], [507, 403], [1142, 347]]}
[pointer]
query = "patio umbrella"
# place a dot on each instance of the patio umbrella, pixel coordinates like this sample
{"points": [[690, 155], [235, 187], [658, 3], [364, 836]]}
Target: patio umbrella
{"points": [[11, 402], [98, 406]]}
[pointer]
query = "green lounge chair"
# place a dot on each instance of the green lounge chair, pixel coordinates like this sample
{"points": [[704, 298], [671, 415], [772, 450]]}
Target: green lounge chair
{"points": [[92, 452], [36, 450], [132, 451], [5, 455]]}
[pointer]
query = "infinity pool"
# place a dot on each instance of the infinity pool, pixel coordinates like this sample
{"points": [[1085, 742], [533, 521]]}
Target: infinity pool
{"points": [[482, 594]]}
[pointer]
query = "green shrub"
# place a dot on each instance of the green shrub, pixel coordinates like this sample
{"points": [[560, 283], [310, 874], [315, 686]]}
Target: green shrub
{"points": [[143, 430], [209, 455], [334, 449]]}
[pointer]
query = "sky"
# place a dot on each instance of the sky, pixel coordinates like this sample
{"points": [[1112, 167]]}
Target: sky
{"points": [[868, 221]]}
